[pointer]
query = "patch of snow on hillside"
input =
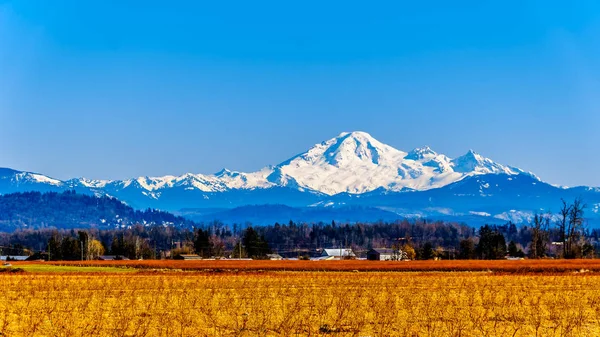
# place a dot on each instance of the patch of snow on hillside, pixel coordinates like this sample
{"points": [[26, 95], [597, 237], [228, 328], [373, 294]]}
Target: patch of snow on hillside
{"points": [[94, 183], [515, 216], [44, 179]]}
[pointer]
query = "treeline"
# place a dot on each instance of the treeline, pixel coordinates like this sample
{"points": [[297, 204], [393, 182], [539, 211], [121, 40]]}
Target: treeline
{"points": [[70, 210], [562, 235], [137, 242]]}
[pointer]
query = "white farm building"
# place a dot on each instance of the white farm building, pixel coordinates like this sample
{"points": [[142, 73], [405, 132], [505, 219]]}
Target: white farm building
{"points": [[338, 253]]}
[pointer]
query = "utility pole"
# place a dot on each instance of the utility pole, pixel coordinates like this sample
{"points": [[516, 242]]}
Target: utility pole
{"points": [[346, 244]]}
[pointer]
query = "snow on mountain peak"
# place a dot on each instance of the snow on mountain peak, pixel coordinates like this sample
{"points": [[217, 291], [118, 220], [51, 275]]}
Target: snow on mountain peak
{"points": [[352, 162], [223, 172], [475, 163], [356, 134], [20, 177], [421, 153], [91, 183], [44, 179], [353, 147], [355, 162]]}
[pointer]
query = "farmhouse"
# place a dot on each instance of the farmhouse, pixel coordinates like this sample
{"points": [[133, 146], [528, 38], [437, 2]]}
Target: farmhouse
{"points": [[338, 253], [322, 258], [187, 257], [381, 254], [274, 257], [14, 257]]}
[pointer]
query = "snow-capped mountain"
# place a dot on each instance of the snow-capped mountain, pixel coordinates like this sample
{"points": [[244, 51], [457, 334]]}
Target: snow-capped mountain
{"points": [[16, 181], [351, 169], [357, 163], [353, 162]]}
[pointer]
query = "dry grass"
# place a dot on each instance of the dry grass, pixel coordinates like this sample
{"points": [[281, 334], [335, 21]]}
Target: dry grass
{"points": [[523, 266], [255, 302], [299, 304]]}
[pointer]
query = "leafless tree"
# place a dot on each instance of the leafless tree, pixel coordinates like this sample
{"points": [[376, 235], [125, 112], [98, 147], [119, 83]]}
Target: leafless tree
{"points": [[570, 225], [540, 235], [563, 221], [575, 224]]}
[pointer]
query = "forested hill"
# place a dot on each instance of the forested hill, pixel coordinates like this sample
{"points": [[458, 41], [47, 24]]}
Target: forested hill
{"points": [[72, 210]]}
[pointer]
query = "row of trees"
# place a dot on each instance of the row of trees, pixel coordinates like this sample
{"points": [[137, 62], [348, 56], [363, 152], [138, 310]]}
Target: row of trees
{"points": [[569, 234], [560, 235], [83, 246], [570, 226], [252, 245], [568, 237]]}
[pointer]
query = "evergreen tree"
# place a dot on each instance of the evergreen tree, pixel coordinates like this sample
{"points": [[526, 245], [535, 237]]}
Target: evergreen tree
{"points": [[70, 249], [117, 246], [54, 248], [256, 246], [467, 249], [238, 251], [492, 245], [427, 252], [203, 244], [514, 251]]}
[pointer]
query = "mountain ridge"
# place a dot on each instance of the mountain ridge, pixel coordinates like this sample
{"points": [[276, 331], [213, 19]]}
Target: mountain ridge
{"points": [[352, 169], [352, 162]]}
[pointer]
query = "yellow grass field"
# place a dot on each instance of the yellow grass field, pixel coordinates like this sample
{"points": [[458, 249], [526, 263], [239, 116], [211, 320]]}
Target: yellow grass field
{"points": [[293, 303]]}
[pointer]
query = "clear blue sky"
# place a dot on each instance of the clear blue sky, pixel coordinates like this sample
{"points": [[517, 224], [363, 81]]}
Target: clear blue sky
{"points": [[116, 89]]}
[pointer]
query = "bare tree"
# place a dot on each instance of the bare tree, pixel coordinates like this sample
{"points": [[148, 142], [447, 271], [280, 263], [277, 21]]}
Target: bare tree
{"points": [[562, 223], [540, 235], [575, 224], [570, 225]]}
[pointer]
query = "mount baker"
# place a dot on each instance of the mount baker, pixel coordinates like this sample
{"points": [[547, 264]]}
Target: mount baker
{"points": [[351, 170]]}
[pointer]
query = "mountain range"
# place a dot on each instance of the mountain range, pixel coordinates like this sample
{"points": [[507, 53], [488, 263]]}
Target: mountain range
{"points": [[352, 177]]}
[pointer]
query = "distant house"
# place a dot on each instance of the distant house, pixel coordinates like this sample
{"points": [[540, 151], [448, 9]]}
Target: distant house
{"points": [[338, 253], [274, 257], [14, 257], [111, 258], [382, 254], [187, 257], [513, 258], [322, 258]]}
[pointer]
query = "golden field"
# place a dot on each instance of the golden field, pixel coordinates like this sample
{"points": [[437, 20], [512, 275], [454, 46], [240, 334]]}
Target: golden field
{"points": [[171, 303]]}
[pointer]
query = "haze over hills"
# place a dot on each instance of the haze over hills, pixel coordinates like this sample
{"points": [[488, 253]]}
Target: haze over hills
{"points": [[351, 170]]}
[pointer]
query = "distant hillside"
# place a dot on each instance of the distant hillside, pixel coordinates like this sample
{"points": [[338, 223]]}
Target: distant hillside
{"points": [[271, 213], [73, 210]]}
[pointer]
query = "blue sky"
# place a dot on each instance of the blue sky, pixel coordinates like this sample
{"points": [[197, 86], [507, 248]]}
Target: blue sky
{"points": [[116, 89]]}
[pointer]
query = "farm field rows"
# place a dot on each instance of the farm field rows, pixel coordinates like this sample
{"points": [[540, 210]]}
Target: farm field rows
{"points": [[521, 266], [299, 304]]}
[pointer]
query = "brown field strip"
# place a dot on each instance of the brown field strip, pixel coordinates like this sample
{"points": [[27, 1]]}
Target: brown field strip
{"points": [[503, 266]]}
